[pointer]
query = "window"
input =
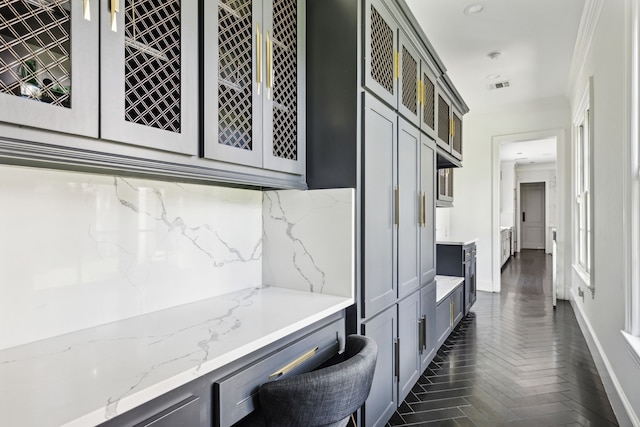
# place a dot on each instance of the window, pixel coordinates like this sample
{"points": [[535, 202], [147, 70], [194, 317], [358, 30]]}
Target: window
{"points": [[582, 178]]}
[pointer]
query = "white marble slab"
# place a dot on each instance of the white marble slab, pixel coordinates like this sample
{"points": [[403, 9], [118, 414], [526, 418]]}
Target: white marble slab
{"points": [[456, 242], [79, 250], [89, 376], [445, 285], [309, 240]]}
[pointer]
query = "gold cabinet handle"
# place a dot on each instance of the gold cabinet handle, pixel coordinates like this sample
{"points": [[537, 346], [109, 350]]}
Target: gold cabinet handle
{"points": [[269, 65], [258, 58], [419, 91], [396, 64], [115, 8], [424, 209], [397, 207], [294, 364], [86, 10], [420, 213], [452, 306]]}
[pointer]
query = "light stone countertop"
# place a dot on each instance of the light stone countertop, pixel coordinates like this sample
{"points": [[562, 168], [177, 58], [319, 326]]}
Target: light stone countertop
{"points": [[456, 242], [445, 285], [87, 377]]}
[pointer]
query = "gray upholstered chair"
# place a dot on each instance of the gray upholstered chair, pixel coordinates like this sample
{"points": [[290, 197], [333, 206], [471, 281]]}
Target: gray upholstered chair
{"points": [[325, 397]]}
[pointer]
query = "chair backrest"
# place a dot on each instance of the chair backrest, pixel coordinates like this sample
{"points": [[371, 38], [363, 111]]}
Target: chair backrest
{"points": [[324, 397]]}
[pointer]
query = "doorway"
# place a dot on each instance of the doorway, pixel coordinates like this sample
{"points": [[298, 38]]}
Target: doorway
{"points": [[532, 215]]}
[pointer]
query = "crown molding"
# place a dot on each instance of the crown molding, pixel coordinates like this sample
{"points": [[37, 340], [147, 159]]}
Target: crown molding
{"points": [[586, 30]]}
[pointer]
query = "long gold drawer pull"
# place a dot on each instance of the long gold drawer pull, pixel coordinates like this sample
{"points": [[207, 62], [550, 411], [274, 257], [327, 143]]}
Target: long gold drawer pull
{"points": [[420, 213], [258, 58], [396, 64], [424, 209], [396, 206], [291, 366], [115, 8], [86, 10], [269, 65]]}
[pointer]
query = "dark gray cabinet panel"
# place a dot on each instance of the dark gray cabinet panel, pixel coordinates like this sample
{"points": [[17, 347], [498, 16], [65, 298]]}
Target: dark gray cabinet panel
{"points": [[428, 223], [409, 76], [443, 320], [457, 299], [408, 210], [429, 340], [409, 337], [49, 71], [379, 218], [237, 393], [460, 261], [383, 398], [149, 75], [254, 86], [381, 59], [184, 414]]}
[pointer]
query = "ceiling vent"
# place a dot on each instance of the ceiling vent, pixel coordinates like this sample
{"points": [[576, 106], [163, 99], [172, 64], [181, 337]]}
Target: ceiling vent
{"points": [[499, 85]]}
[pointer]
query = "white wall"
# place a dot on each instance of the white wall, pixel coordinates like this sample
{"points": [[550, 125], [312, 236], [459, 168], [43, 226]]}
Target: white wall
{"points": [[474, 190], [507, 185], [442, 222], [604, 312]]}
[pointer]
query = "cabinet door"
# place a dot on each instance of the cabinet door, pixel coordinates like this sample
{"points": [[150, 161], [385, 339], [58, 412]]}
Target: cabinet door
{"points": [[408, 198], [409, 71], [234, 75], [383, 398], [443, 320], [49, 68], [381, 60], [149, 74], [428, 223], [428, 111], [444, 123], [379, 220], [283, 133], [457, 299], [428, 317], [456, 135], [409, 348]]}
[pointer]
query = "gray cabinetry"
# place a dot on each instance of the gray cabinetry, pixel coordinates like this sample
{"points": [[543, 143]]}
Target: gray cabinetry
{"points": [[379, 219], [409, 328], [49, 70], [445, 187], [383, 398], [149, 74], [449, 123], [449, 311], [428, 100], [380, 48], [459, 260], [409, 99], [428, 338], [427, 211], [253, 77]]}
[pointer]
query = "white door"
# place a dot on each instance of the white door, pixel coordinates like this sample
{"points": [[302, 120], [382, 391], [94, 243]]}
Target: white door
{"points": [[532, 215]]}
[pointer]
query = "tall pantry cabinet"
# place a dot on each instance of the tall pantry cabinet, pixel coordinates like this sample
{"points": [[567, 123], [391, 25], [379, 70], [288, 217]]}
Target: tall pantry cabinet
{"points": [[372, 87]]}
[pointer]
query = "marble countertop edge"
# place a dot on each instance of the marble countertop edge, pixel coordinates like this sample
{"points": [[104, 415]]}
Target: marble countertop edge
{"points": [[445, 285], [453, 241]]}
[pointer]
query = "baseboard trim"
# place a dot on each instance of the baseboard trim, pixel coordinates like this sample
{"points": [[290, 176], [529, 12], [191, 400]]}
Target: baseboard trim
{"points": [[619, 402]]}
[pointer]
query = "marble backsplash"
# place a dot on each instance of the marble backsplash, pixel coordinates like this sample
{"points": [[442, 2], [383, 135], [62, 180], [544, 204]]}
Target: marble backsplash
{"points": [[79, 250], [308, 240]]}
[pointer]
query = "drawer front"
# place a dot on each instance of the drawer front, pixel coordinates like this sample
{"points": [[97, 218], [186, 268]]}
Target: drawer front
{"points": [[237, 393], [184, 414]]}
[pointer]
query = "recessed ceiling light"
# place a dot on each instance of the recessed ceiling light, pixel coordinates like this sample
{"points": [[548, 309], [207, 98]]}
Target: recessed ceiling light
{"points": [[518, 153], [493, 76], [494, 55], [473, 9]]}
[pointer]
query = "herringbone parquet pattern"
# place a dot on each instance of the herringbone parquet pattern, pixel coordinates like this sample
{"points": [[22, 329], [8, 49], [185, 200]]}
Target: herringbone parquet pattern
{"points": [[514, 360]]}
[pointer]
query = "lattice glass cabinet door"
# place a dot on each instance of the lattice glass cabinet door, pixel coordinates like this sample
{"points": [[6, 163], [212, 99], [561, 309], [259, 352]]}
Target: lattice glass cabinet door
{"points": [[234, 76], [409, 71], [444, 123], [428, 111], [49, 64], [456, 140], [381, 56], [284, 131], [149, 73]]}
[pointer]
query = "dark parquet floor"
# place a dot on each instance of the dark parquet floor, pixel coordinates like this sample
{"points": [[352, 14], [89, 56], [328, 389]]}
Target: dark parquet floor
{"points": [[513, 361]]}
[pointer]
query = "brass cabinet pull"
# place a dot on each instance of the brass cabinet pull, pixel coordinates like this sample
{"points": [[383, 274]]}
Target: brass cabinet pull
{"points": [[294, 364], [115, 8], [419, 92], [269, 65], [420, 335], [397, 354], [420, 213], [86, 10], [396, 64], [258, 58], [424, 330], [452, 306], [396, 218], [424, 209]]}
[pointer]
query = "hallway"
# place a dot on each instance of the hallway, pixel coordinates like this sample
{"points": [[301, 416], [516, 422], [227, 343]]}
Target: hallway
{"points": [[514, 360]]}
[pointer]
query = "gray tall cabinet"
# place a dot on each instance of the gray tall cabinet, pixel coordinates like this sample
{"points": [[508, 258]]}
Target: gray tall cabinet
{"points": [[372, 87]]}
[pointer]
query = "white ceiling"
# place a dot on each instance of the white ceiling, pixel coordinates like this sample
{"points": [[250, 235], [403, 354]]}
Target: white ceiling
{"points": [[536, 39], [528, 152]]}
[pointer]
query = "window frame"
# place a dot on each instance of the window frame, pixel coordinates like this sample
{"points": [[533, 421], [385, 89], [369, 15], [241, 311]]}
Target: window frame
{"points": [[583, 182]]}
